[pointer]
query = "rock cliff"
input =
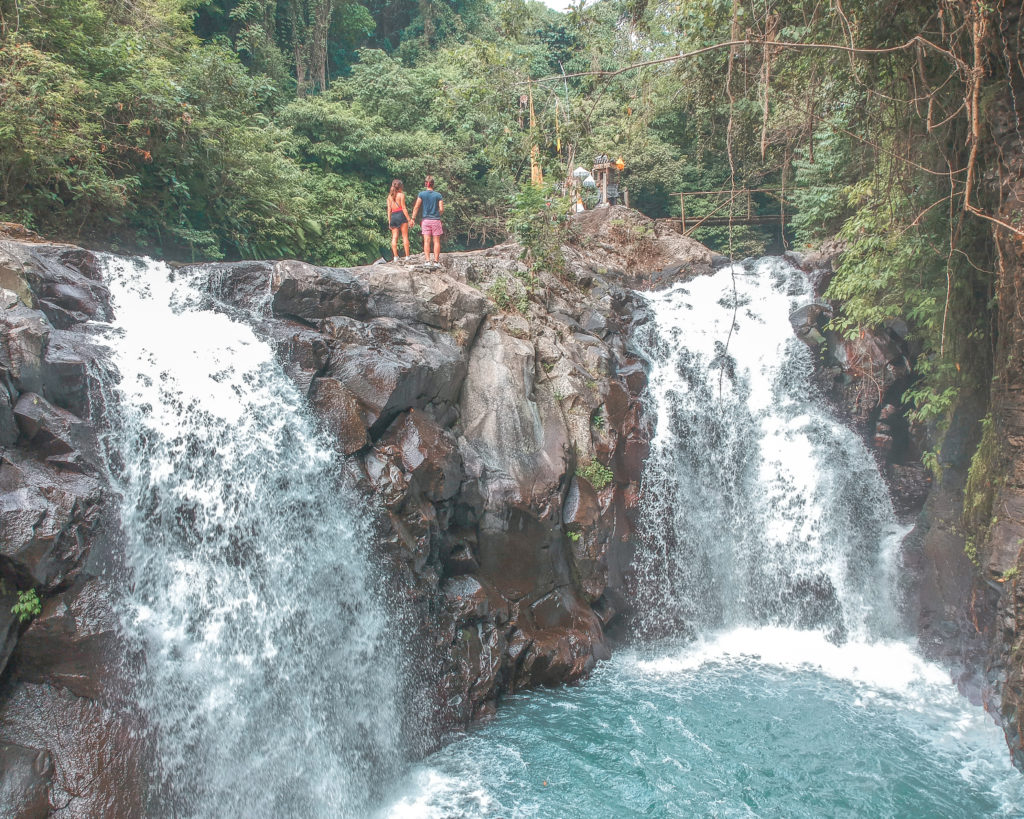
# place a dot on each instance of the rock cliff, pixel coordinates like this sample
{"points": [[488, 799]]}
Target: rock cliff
{"points": [[490, 413], [493, 413], [67, 740]]}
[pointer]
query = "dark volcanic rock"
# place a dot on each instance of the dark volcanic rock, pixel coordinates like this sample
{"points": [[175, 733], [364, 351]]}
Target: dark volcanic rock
{"points": [[865, 379], [27, 774], [65, 746], [463, 422], [313, 293], [46, 515], [94, 748], [341, 413], [466, 424], [8, 625], [72, 643]]}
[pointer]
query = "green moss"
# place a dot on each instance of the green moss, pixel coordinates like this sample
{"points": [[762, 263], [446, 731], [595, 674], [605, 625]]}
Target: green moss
{"points": [[983, 480]]}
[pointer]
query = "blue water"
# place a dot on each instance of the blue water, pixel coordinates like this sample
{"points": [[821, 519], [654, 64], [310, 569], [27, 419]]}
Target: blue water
{"points": [[758, 722]]}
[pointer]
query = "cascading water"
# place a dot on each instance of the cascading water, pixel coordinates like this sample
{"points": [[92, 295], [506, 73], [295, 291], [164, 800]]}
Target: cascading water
{"points": [[778, 684], [758, 507], [268, 678]]}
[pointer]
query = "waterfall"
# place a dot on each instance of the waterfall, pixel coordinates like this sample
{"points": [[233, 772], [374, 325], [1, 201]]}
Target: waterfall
{"points": [[759, 508], [268, 675], [768, 538]]}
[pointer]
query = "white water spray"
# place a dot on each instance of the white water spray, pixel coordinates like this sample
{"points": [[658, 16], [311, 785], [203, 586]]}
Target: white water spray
{"points": [[268, 681], [759, 508]]}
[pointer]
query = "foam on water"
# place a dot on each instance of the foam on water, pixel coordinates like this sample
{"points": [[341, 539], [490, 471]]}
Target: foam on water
{"points": [[884, 665], [268, 678], [750, 722]]}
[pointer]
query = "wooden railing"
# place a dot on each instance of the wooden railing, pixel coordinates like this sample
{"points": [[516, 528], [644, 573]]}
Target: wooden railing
{"points": [[726, 199]]}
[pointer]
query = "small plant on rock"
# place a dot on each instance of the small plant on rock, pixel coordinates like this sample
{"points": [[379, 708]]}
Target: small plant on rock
{"points": [[597, 421], [28, 606], [597, 474], [498, 292], [573, 536]]}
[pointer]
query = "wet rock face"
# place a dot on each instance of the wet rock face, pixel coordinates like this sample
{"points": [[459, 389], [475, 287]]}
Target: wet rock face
{"points": [[467, 425], [27, 778], [1001, 547], [864, 378], [67, 747]]}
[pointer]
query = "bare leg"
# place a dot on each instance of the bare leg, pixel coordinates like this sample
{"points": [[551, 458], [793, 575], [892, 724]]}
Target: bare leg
{"points": [[405, 239], [437, 248], [394, 243]]}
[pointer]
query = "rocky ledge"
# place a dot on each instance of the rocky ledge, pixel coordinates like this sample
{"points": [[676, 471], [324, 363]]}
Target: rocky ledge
{"points": [[864, 379]]}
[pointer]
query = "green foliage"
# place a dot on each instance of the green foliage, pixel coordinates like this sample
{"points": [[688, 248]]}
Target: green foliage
{"points": [[28, 606], [1010, 574], [53, 152], [573, 535], [537, 219], [509, 296], [597, 420], [498, 292], [597, 474], [971, 550], [983, 481]]}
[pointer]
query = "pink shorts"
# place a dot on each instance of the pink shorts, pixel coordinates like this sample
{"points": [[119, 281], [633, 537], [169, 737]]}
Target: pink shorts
{"points": [[431, 227]]}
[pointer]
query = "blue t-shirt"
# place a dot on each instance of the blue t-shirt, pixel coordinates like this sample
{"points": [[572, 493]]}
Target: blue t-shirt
{"points": [[430, 200]]}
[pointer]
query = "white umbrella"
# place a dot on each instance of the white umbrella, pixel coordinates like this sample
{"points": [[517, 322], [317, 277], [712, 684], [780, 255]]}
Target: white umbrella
{"points": [[581, 173], [589, 182]]}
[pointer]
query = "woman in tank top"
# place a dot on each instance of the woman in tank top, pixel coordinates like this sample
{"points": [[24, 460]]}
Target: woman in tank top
{"points": [[398, 217]]}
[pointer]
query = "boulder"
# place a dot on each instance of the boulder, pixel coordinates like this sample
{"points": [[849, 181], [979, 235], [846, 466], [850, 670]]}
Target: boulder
{"points": [[341, 413], [58, 436], [46, 517], [71, 643], [424, 298], [311, 293], [241, 284], [428, 454], [303, 353], [397, 367], [24, 338]]}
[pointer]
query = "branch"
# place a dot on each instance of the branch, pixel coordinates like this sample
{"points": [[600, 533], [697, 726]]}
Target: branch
{"points": [[780, 44]]}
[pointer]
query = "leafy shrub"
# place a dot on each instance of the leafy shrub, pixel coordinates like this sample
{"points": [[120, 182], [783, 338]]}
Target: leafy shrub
{"points": [[597, 474], [28, 606], [538, 221], [498, 292]]}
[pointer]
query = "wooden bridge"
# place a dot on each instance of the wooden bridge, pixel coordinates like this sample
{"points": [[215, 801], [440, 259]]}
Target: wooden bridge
{"points": [[724, 210]]}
